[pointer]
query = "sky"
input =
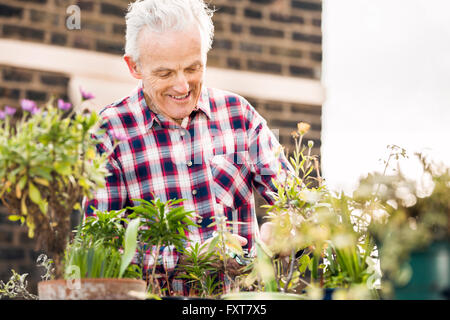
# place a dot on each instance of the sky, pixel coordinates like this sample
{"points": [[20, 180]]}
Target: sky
{"points": [[386, 73]]}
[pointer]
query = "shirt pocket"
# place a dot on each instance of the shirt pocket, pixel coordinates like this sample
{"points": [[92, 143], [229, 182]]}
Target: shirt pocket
{"points": [[231, 175]]}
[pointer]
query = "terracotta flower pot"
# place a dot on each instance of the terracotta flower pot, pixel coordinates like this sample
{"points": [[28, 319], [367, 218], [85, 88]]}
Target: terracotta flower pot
{"points": [[92, 289]]}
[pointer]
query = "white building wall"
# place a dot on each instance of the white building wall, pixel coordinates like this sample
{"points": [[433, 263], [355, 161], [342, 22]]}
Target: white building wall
{"points": [[386, 71]]}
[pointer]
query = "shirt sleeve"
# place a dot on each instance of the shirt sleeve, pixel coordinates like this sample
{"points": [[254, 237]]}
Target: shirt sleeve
{"points": [[266, 154], [114, 195]]}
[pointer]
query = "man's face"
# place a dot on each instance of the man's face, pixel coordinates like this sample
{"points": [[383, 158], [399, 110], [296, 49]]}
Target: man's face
{"points": [[172, 66]]}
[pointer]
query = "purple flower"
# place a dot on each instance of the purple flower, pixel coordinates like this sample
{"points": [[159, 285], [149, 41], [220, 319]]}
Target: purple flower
{"points": [[86, 95], [2, 114], [118, 136], [35, 110], [10, 111], [28, 105], [64, 105]]}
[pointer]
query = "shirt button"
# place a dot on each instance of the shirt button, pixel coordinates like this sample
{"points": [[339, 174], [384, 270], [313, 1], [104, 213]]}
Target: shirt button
{"points": [[189, 164], [194, 192]]}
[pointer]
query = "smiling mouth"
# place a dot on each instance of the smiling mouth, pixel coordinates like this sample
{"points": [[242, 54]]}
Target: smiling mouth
{"points": [[182, 97]]}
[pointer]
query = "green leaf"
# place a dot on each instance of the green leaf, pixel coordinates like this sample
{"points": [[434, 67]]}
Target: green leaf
{"points": [[265, 268], [314, 267], [35, 194], [23, 205], [22, 182], [304, 262], [130, 244], [213, 243], [90, 262], [14, 218], [63, 168], [41, 181]]}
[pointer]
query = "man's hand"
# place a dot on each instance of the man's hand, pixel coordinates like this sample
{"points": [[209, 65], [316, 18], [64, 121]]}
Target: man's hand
{"points": [[233, 268], [266, 233]]}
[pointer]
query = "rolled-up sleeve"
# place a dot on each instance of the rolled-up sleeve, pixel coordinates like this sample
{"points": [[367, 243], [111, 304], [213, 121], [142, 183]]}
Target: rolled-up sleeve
{"points": [[114, 195], [268, 160]]}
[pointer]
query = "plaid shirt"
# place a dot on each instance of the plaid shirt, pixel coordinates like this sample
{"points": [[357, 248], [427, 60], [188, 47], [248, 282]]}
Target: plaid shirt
{"points": [[213, 160]]}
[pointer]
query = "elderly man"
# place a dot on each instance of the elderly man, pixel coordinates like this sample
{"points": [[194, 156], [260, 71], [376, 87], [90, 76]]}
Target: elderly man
{"points": [[184, 140]]}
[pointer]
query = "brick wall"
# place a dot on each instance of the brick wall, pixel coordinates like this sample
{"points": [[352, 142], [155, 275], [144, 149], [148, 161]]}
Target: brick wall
{"points": [[44, 21], [273, 36], [280, 37], [19, 83]]}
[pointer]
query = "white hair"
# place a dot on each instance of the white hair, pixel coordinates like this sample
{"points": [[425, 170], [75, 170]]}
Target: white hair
{"points": [[166, 15]]}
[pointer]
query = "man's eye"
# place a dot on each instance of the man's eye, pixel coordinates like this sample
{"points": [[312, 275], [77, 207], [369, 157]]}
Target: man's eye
{"points": [[164, 75], [193, 69]]}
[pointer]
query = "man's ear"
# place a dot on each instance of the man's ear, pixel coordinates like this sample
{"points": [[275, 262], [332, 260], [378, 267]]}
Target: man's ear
{"points": [[133, 67]]}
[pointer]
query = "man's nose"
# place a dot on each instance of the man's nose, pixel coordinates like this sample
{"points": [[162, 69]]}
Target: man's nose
{"points": [[182, 84]]}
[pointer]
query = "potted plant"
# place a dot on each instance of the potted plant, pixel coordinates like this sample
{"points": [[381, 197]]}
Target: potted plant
{"points": [[47, 164], [319, 242], [223, 250], [164, 225], [411, 227], [97, 262], [199, 271]]}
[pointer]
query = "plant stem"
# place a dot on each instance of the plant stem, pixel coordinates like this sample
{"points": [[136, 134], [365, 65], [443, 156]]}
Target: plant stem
{"points": [[291, 270], [155, 261], [316, 167], [275, 267]]}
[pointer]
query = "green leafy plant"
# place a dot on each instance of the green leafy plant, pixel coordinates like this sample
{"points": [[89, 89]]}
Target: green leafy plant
{"points": [[91, 256], [320, 239], [163, 224], [408, 214], [48, 164], [108, 226], [226, 247], [198, 269], [354, 244]]}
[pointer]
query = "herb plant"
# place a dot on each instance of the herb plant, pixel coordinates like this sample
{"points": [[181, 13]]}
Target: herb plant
{"points": [[163, 224], [48, 164], [198, 269]]}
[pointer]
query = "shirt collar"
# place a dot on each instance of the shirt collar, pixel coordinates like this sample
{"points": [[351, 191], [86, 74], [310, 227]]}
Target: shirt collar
{"points": [[150, 117], [203, 102]]}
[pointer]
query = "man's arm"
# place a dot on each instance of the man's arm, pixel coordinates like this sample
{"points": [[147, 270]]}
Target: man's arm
{"points": [[114, 195], [268, 160]]}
